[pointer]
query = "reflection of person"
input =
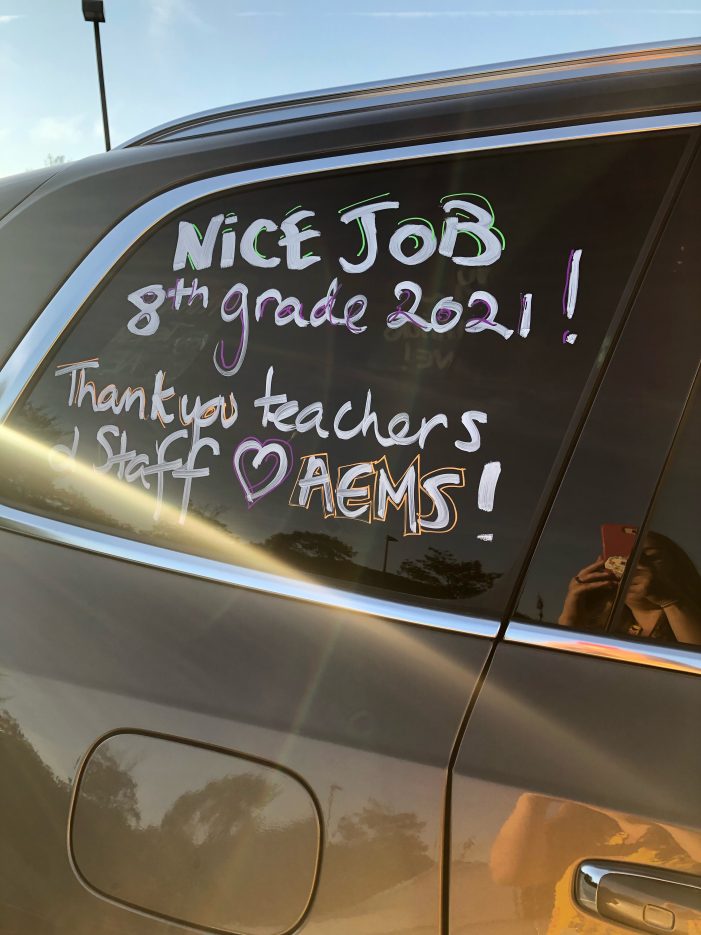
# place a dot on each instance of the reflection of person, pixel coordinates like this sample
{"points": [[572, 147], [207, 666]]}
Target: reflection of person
{"points": [[541, 843], [663, 601]]}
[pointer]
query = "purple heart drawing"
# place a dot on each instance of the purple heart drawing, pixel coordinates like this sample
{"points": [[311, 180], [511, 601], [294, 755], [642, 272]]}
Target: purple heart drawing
{"points": [[277, 451]]}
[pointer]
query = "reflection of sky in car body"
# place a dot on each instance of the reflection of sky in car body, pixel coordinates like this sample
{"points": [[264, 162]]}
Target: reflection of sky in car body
{"points": [[528, 387]]}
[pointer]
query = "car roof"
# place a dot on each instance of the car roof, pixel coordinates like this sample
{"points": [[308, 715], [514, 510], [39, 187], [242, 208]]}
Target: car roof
{"points": [[549, 69]]}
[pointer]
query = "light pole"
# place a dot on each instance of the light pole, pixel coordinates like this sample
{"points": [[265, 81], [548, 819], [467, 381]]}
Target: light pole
{"points": [[93, 12], [388, 539], [332, 792]]}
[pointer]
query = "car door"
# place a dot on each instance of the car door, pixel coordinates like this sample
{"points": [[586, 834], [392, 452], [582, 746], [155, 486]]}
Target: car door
{"points": [[272, 454], [576, 794]]}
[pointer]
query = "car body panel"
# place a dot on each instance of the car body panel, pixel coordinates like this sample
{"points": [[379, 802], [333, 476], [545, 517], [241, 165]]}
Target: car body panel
{"points": [[365, 710], [15, 189], [569, 758]]}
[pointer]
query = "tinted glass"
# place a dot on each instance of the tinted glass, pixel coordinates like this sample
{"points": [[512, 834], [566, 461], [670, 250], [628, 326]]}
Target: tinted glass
{"points": [[663, 596], [360, 377], [611, 479]]}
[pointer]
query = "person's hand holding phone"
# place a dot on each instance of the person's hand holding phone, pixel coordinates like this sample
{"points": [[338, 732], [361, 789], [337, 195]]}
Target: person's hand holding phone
{"points": [[586, 593]]}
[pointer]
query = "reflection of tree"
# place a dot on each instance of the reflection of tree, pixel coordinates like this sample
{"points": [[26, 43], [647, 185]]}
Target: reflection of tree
{"points": [[372, 850], [42, 424], [34, 805], [454, 578], [220, 857], [112, 787], [210, 514], [376, 822], [38, 891], [439, 574], [222, 809], [219, 850], [314, 545]]}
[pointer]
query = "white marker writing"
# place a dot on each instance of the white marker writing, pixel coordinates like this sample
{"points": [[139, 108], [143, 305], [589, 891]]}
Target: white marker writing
{"points": [[402, 494], [468, 420], [445, 512], [190, 247], [480, 229], [569, 298], [351, 501], [315, 475], [249, 243], [292, 239], [488, 485], [365, 215], [420, 232]]}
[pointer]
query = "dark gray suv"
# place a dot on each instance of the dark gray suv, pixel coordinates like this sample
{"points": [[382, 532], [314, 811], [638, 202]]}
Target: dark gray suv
{"points": [[350, 518]]}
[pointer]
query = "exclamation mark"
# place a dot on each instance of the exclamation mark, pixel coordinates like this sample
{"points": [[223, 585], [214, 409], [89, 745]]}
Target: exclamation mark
{"points": [[486, 491], [569, 296], [524, 322]]}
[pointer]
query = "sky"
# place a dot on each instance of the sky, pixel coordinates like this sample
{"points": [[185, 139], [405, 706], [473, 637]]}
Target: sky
{"points": [[168, 58]]}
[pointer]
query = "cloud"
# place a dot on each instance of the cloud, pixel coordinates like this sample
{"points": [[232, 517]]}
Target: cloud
{"points": [[168, 13], [472, 14], [64, 130], [504, 14], [97, 129], [10, 17]]}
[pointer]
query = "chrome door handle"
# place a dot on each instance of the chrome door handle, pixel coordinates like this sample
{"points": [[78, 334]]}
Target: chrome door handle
{"points": [[648, 899]]}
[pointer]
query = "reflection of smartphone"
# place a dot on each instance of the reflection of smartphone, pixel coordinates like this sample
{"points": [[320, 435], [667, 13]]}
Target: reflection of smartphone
{"points": [[617, 540]]}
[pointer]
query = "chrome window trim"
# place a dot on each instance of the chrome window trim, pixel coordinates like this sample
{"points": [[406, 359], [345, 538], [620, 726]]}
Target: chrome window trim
{"points": [[78, 288], [141, 553], [416, 88], [604, 647]]}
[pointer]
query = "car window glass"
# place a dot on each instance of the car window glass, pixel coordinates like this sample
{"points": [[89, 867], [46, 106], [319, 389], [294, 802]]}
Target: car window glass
{"points": [[360, 377], [663, 596], [606, 492]]}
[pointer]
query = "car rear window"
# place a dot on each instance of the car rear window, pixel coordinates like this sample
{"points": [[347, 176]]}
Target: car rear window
{"points": [[360, 377]]}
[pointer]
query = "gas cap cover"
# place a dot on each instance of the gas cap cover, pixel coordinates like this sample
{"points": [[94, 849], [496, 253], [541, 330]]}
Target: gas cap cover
{"points": [[216, 840]]}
